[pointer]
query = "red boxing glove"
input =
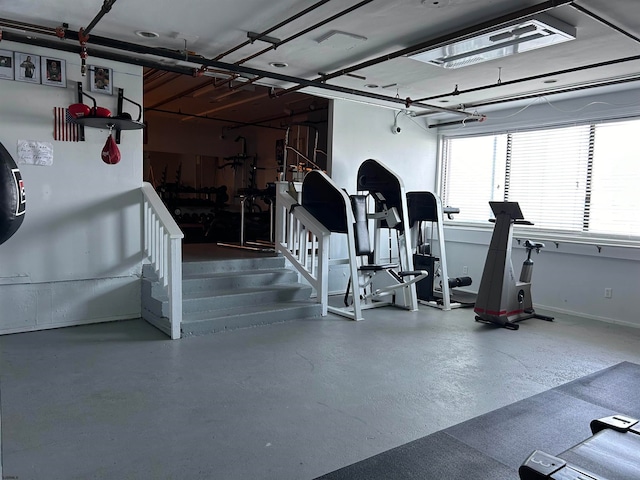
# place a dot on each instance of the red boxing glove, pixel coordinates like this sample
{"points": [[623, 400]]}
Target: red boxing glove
{"points": [[110, 152]]}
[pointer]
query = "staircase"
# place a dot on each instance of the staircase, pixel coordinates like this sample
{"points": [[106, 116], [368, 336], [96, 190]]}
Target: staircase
{"points": [[222, 295]]}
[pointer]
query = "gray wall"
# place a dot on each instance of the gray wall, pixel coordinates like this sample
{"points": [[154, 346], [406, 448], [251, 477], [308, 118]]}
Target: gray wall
{"points": [[77, 256]]}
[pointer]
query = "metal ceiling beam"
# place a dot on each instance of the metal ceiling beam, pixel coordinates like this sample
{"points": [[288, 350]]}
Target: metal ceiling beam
{"points": [[306, 30], [199, 60], [557, 91], [106, 8], [274, 28], [206, 117], [534, 77], [605, 22], [68, 47], [443, 40]]}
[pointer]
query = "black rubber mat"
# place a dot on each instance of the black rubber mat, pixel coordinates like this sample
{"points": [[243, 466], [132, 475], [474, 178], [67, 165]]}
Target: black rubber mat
{"points": [[494, 445]]}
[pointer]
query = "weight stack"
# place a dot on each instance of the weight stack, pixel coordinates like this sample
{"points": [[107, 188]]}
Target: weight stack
{"points": [[424, 287]]}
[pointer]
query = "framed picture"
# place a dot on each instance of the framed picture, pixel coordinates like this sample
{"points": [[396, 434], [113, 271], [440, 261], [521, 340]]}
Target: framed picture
{"points": [[54, 72], [100, 79], [6, 64], [27, 67]]}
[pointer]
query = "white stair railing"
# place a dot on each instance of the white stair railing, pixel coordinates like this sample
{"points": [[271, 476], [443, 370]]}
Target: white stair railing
{"points": [[163, 248], [303, 241]]}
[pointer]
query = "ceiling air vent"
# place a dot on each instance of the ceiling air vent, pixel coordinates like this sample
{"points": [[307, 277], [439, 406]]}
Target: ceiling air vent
{"points": [[521, 36]]}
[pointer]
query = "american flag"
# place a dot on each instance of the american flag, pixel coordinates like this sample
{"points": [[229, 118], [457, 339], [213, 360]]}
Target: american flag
{"points": [[64, 127]]}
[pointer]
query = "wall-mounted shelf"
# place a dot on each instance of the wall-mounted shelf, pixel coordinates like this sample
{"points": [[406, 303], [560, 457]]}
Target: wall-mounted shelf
{"points": [[110, 122], [118, 123]]}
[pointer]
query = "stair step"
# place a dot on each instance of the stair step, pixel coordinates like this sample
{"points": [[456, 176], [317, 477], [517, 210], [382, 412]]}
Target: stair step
{"points": [[241, 317], [220, 295], [244, 297], [232, 280], [202, 300], [232, 265]]}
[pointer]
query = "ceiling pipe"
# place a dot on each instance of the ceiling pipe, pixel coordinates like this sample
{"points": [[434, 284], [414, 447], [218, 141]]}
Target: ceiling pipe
{"points": [[199, 60], [206, 117], [67, 47], [534, 77], [554, 92], [187, 92], [230, 105], [457, 122], [27, 27], [83, 34], [106, 8], [444, 39], [306, 30], [158, 81], [272, 29], [605, 22]]}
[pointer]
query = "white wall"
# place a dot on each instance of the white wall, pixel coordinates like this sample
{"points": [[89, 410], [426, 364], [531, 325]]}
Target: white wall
{"points": [[359, 132], [77, 256], [567, 278]]}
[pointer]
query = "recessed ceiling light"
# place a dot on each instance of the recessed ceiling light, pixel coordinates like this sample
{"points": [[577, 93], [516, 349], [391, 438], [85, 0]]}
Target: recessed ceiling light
{"points": [[370, 85], [279, 64], [147, 34], [435, 4], [551, 80]]}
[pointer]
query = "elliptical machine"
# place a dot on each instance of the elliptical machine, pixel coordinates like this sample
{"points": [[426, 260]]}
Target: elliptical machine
{"points": [[501, 299]]}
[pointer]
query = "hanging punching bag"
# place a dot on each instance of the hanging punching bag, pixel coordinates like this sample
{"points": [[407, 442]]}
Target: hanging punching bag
{"points": [[110, 152], [12, 199]]}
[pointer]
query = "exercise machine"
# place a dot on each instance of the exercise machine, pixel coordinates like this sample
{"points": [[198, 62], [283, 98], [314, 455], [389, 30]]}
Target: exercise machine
{"points": [[612, 452], [372, 283], [501, 299], [305, 148], [426, 211], [248, 197]]}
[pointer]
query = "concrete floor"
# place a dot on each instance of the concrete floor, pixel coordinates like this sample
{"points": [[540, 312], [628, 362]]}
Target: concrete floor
{"points": [[287, 401]]}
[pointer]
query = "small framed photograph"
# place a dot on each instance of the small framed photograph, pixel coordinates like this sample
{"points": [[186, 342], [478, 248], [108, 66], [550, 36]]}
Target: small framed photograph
{"points": [[100, 79], [54, 72], [27, 67], [6, 64]]}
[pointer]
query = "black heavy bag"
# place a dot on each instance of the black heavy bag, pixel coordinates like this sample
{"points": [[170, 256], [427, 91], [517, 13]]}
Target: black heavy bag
{"points": [[12, 199]]}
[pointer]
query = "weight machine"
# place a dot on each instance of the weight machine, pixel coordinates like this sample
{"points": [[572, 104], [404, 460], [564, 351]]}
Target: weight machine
{"points": [[424, 208], [372, 283], [304, 163]]}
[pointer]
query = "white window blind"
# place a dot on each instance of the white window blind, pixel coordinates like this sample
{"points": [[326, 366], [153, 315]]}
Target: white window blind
{"points": [[581, 179], [615, 200], [548, 176], [475, 173]]}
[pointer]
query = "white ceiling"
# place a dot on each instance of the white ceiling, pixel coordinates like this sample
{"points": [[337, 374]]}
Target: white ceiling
{"points": [[380, 28]]}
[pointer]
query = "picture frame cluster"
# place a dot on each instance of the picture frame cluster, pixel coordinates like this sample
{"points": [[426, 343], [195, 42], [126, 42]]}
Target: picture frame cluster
{"points": [[51, 71]]}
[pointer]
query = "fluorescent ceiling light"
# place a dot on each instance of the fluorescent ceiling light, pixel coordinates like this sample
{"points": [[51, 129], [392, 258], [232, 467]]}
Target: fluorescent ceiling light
{"points": [[517, 37]]}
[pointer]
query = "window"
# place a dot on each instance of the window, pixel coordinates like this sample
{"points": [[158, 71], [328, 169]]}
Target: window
{"points": [[579, 179]]}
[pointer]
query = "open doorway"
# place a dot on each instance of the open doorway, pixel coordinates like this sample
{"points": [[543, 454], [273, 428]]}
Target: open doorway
{"points": [[216, 147]]}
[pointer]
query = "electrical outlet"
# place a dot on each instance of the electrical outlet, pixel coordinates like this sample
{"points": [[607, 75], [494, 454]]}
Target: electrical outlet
{"points": [[608, 292], [465, 270]]}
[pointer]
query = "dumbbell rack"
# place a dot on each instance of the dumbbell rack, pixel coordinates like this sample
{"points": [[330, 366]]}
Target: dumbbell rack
{"points": [[112, 123]]}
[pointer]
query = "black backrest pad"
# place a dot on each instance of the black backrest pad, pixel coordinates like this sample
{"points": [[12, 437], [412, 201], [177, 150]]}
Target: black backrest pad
{"points": [[422, 207], [374, 177], [325, 202]]}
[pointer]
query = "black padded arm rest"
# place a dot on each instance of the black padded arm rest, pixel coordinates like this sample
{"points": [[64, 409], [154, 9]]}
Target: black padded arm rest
{"points": [[413, 272]]}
